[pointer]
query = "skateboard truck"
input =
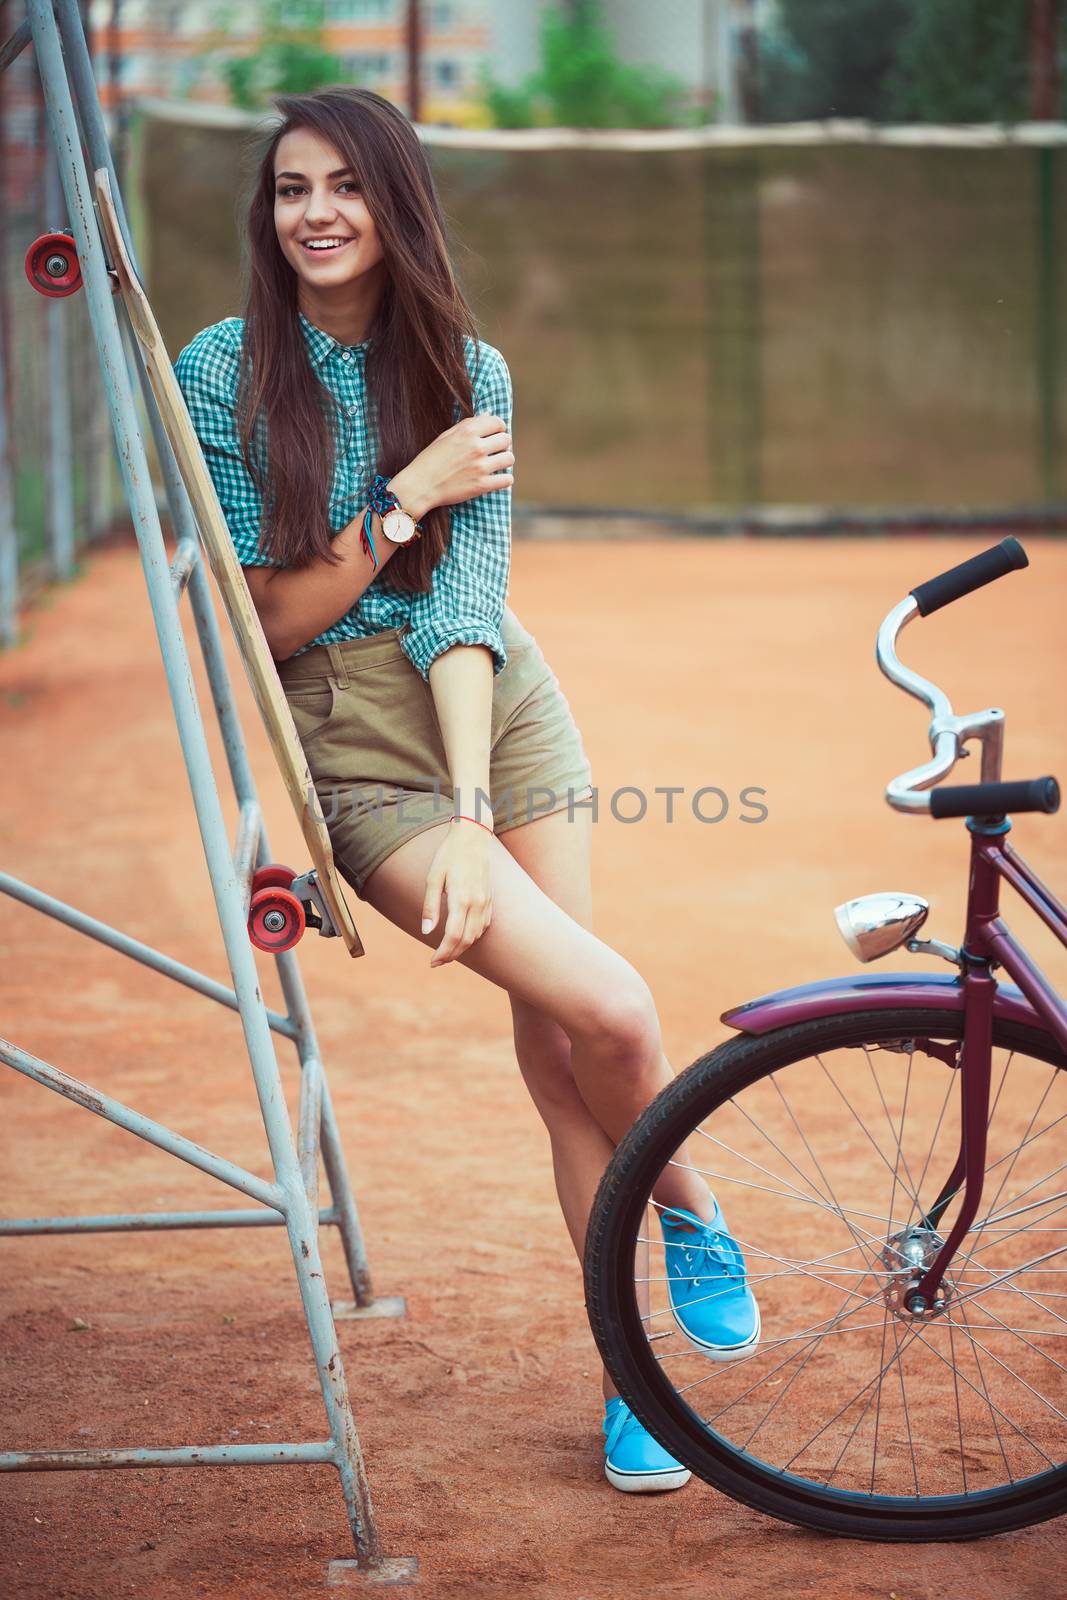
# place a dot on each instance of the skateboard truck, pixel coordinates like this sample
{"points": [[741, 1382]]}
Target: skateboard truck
{"points": [[282, 905], [316, 911]]}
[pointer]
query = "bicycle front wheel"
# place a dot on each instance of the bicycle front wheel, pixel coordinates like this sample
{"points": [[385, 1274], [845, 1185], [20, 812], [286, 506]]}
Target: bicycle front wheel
{"points": [[827, 1145]]}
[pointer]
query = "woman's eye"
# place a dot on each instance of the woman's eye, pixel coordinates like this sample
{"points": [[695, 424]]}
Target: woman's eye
{"points": [[289, 189]]}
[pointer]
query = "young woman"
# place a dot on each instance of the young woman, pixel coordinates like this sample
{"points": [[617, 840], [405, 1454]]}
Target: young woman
{"points": [[359, 436]]}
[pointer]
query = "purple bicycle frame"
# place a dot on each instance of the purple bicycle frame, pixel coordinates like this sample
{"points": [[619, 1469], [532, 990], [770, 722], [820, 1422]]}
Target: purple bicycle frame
{"points": [[987, 942]]}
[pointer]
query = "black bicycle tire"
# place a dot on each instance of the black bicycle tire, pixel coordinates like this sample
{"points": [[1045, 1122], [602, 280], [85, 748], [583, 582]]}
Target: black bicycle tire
{"points": [[616, 1326]]}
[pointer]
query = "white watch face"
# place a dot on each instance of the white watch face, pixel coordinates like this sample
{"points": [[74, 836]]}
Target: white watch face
{"points": [[398, 525]]}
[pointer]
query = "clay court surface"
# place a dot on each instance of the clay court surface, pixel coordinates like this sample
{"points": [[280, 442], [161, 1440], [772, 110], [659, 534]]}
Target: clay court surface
{"points": [[687, 663]]}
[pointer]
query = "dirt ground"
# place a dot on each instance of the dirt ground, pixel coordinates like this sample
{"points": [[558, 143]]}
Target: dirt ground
{"points": [[690, 663]]}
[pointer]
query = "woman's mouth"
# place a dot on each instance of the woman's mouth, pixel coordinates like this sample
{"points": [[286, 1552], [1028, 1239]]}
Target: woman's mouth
{"points": [[323, 247]]}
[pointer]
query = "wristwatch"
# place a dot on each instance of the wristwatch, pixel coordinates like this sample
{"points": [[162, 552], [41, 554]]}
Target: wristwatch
{"points": [[398, 525]]}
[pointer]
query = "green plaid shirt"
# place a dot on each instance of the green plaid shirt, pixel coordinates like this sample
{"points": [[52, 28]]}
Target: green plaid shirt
{"points": [[468, 589]]}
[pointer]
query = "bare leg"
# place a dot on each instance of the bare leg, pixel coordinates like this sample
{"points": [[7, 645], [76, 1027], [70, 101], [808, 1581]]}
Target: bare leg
{"points": [[587, 1037]]}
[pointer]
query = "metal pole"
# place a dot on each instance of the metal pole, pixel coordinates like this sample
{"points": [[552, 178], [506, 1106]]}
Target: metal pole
{"points": [[99, 455], [9, 543], [114, 78], [99, 450], [58, 404], [414, 55], [9, 546]]}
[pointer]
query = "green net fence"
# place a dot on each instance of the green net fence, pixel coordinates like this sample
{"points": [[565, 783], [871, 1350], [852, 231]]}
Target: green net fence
{"points": [[697, 323]]}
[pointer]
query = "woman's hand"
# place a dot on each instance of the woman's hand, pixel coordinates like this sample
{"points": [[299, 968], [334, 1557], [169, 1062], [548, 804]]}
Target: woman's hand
{"points": [[471, 458], [460, 870]]}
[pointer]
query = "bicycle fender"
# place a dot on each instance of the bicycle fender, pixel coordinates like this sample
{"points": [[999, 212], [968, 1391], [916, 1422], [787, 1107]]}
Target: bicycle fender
{"points": [[870, 991]]}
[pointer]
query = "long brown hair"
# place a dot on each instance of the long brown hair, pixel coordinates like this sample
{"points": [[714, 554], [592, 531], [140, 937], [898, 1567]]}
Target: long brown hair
{"points": [[416, 368]]}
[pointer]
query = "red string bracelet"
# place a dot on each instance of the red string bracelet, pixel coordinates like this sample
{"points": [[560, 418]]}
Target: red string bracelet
{"points": [[463, 818]]}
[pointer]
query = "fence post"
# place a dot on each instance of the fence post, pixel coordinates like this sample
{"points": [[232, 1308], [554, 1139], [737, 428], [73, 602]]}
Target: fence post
{"points": [[1047, 364]]}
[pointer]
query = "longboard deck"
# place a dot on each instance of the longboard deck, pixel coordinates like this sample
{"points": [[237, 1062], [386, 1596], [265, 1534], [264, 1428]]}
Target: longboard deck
{"points": [[222, 558]]}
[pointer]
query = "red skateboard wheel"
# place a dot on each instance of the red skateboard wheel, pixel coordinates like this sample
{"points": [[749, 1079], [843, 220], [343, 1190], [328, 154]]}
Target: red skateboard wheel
{"points": [[275, 920], [274, 876], [52, 265]]}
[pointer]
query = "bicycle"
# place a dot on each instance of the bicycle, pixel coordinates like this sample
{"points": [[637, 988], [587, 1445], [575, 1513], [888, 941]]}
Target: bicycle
{"points": [[910, 1381]]}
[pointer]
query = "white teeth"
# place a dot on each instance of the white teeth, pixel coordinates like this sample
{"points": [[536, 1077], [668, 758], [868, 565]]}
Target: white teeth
{"points": [[323, 244]]}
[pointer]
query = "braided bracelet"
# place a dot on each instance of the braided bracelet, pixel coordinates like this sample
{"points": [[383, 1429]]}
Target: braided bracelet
{"points": [[381, 500], [463, 818]]}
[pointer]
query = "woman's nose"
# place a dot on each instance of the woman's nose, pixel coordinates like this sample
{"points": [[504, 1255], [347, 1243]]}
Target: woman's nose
{"points": [[320, 208]]}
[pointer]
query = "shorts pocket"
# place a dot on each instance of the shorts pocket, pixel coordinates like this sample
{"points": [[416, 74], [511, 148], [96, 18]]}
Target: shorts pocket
{"points": [[312, 705]]}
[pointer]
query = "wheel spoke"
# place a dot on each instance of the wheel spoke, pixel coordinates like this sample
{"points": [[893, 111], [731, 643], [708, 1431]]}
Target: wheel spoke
{"points": [[820, 1331], [956, 1394], [904, 1404], [916, 1208], [897, 1135], [783, 1194], [995, 1410], [877, 1379], [792, 1115], [875, 1146], [991, 1209]]}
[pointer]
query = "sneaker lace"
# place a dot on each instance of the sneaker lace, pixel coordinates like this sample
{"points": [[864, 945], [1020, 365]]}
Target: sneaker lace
{"points": [[622, 1423], [714, 1257]]}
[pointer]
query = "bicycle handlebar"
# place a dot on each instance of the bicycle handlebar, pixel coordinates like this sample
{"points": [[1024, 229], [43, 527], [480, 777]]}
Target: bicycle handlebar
{"points": [[914, 791], [994, 799], [1005, 557]]}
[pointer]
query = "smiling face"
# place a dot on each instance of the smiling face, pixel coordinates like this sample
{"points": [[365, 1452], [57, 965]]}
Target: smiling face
{"points": [[324, 228]]}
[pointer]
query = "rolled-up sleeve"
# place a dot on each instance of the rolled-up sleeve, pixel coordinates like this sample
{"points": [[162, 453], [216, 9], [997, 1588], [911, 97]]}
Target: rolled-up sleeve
{"points": [[207, 372], [468, 589]]}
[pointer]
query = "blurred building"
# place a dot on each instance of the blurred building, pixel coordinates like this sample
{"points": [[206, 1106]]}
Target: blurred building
{"points": [[171, 48], [702, 42]]}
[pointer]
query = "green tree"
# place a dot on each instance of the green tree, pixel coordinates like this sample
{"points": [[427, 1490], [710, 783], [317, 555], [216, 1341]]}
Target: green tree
{"points": [[964, 61], [833, 58], [581, 83], [289, 57]]}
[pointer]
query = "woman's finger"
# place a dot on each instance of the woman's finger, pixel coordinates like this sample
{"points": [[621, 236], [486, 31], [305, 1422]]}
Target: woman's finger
{"points": [[477, 923], [497, 442], [449, 945]]}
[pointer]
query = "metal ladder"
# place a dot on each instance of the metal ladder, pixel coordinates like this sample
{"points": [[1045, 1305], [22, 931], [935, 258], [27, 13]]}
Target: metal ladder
{"points": [[291, 1200]]}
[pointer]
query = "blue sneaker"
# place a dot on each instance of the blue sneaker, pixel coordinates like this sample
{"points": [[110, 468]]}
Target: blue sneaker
{"points": [[710, 1299], [633, 1461]]}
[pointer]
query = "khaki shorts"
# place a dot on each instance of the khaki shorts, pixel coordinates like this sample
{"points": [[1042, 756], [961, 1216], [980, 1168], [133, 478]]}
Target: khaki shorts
{"points": [[369, 729]]}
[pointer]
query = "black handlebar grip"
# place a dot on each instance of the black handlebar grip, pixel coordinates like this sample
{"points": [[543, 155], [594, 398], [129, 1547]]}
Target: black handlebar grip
{"points": [[996, 562], [994, 799]]}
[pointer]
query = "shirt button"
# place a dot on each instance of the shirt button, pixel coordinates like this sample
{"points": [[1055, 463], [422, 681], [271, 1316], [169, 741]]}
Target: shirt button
{"points": [[346, 355]]}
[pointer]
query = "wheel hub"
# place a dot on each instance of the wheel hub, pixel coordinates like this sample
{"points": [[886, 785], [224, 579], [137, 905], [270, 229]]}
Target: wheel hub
{"points": [[906, 1257]]}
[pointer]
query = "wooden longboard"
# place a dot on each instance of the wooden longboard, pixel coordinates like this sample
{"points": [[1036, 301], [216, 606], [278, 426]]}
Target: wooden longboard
{"points": [[222, 557]]}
